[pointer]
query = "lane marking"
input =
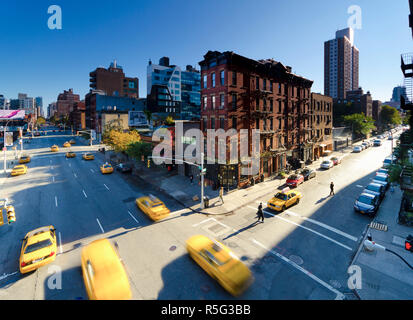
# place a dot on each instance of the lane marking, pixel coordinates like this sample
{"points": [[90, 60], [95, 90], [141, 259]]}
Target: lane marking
{"points": [[103, 231], [84, 193], [133, 217], [339, 295], [342, 233], [308, 229], [55, 200], [53, 178], [75, 175], [206, 220], [4, 276], [70, 165], [60, 243], [92, 170], [106, 187], [359, 186]]}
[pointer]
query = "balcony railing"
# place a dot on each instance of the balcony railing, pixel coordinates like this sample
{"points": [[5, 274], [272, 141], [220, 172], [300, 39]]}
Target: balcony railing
{"points": [[407, 65]]}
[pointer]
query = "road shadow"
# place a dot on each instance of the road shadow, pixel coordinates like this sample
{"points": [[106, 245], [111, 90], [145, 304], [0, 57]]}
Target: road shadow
{"points": [[322, 200], [242, 230]]}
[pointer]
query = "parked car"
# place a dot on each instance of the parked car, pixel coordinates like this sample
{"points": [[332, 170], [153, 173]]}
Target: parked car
{"points": [[382, 170], [376, 189], [377, 143], [367, 204], [365, 144], [326, 164], [335, 160], [308, 173], [124, 167], [357, 149], [388, 161], [295, 180], [383, 179]]}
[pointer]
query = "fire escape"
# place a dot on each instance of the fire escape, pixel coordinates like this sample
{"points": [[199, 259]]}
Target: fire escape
{"points": [[406, 102]]}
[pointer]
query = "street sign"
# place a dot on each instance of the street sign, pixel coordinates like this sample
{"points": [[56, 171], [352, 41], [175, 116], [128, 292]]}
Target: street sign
{"points": [[8, 141]]}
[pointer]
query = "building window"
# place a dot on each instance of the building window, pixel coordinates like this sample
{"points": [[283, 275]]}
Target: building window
{"points": [[222, 77], [271, 85], [257, 83], [265, 104], [213, 102], [213, 79], [212, 123], [271, 124], [271, 105], [222, 123], [205, 124], [257, 124], [234, 78], [204, 81], [205, 102], [234, 101], [257, 103], [222, 101], [265, 84], [234, 122], [285, 89], [279, 88]]}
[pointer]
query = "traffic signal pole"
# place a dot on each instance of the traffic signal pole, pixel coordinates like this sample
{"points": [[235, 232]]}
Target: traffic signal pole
{"points": [[202, 181], [371, 245]]}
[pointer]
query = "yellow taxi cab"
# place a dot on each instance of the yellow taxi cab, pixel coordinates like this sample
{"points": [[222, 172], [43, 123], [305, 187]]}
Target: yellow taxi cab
{"points": [[220, 263], [88, 156], [106, 168], [70, 154], [73, 141], [24, 159], [54, 148], [284, 199], [154, 208], [104, 274], [19, 170], [39, 248], [66, 145]]}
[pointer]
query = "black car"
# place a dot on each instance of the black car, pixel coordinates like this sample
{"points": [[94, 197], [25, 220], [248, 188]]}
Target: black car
{"points": [[376, 189], [367, 204], [308, 173], [124, 168]]}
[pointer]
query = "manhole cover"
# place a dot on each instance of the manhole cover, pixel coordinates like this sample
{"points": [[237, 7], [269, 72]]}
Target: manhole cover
{"points": [[205, 288], [296, 260], [336, 284], [173, 248]]}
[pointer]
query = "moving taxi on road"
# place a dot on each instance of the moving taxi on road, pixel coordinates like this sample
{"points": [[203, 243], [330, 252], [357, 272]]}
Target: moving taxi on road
{"points": [[54, 148], [284, 199], [106, 168], [39, 248], [66, 145], [70, 154], [19, 170], [88, 156], [220, 263], [153, 207], [24, 159], [104, 274]]}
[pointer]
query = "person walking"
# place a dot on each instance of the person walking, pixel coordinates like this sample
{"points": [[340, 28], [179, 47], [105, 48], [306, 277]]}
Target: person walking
{"points": [[332, 188], [260, 213], [191, 178], [221, 194]]}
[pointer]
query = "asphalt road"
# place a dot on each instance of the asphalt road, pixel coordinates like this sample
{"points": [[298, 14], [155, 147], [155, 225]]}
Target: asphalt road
{"points": [[302, 253]]}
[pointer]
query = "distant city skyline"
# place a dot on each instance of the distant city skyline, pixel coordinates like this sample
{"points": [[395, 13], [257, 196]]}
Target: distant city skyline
{"points": [[51, 61]]}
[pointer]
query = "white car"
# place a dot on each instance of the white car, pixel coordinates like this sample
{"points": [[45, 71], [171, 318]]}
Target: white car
{"points": [[357, 149], [388, 161], [326, 164]]}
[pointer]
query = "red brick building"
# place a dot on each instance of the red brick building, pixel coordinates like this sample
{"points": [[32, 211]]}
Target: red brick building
{"points": [[241, 93], [78, 116], [65, 103], [113, 82], [321, 120]]}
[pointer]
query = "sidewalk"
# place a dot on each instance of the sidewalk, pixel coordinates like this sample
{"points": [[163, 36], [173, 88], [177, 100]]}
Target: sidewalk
{"points": [[384, 275], [180, 188]]}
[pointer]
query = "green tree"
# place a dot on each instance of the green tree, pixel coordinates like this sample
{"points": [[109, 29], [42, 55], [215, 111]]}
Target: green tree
{"points": [[406, 119], [138, 149], [389, 116], [361, 124], [112, 125], [169, 121], [148, 115], [40, 121]]}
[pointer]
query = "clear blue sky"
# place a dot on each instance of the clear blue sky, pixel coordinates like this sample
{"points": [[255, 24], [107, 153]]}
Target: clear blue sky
{"points": [[43, 62]]}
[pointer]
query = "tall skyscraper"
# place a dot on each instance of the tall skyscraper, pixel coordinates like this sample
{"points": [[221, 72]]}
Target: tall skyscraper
{"points": [[397, 92], [341, 64]]}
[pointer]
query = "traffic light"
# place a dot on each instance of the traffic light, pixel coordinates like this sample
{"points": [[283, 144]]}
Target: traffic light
{"points": [[11, 216], [408, 243], [149, 163]]}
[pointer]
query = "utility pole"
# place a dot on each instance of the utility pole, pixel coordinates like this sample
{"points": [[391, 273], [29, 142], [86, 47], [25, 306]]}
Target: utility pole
{"points": [[202, 181]]}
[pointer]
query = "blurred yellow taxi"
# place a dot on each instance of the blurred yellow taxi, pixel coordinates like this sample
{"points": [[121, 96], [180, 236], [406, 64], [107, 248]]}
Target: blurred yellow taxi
{"points": [[284, 199], [39, 248], [54, 148], [104, 275], [70, 154], [24, 159], [106, 168], [220, 263], [88, 156], [19, 170], [66, 145], [154, 208]]}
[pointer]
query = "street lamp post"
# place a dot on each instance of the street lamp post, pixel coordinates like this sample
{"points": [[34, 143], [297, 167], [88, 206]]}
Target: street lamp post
{"points": [[4, 147]]}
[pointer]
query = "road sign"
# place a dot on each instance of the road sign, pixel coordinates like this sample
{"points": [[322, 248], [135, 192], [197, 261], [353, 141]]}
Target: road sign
{"points": [[8, 141]]}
